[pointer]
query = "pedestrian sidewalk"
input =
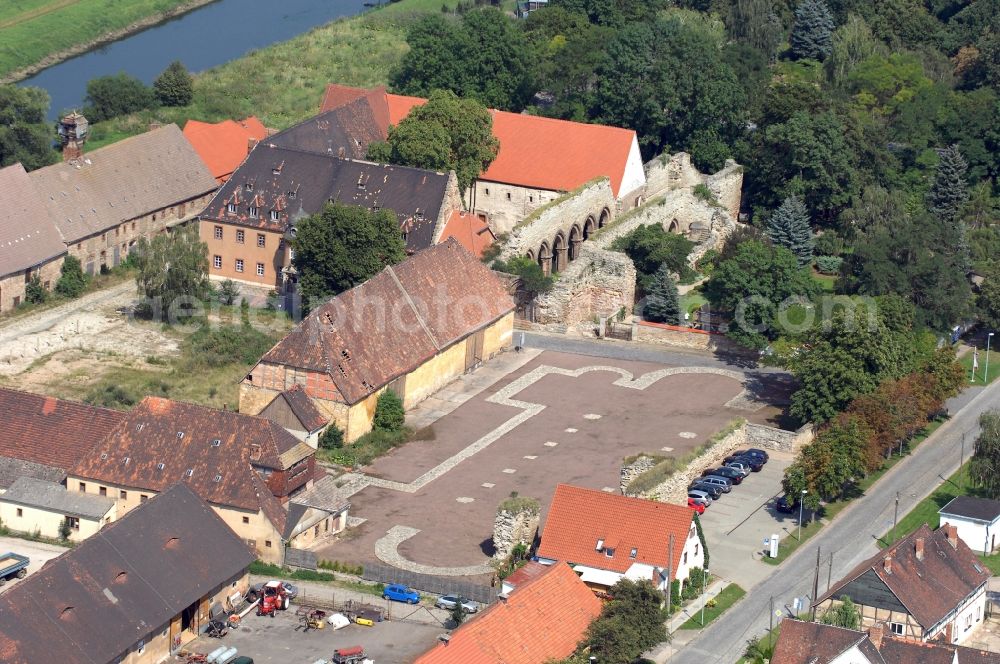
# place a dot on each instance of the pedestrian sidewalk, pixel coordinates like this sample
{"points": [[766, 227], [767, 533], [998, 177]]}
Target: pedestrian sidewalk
{"points": [[681, 637]]}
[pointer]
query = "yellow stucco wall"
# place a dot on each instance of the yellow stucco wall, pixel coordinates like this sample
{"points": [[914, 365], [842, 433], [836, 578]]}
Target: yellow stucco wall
{"points": [[258, 528], [46, 523], [318, 525]]}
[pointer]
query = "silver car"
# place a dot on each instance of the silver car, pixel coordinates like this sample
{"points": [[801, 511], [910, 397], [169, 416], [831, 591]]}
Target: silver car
{"points": [[740, 466], [700, 496], [722, 482], [449, 602]]}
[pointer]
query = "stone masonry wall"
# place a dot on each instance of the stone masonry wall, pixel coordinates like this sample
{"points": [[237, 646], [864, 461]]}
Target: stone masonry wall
{"points": [[633, 469], [681, 337], [598, 283], [665, 174], [511, 529]]}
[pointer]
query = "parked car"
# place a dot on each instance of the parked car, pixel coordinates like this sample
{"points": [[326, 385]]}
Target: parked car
{"points": [[755, 462], [724, 483], [397, 592], [740, 466], [351, 655], [730, 473], [705, 499], [286, 592], [713, 490], [787, 504], [13, 565], [696, 506], [752, 453], [450, 601]]}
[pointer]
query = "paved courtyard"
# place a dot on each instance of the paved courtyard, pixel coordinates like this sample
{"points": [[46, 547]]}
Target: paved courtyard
{"points": [[559, 418], [38, 552]]}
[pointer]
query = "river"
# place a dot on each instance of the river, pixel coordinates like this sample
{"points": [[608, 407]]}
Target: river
{"points": [[201, 39]]}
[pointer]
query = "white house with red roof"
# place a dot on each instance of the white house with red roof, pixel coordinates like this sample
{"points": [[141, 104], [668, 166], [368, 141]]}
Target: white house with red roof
{"points": [[605, 537], [539, 159]]}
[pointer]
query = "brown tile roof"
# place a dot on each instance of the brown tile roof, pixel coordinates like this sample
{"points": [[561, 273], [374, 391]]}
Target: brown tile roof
{"points": [[122, 584], [578, 518], [344, 131], [224, 145], [471, 231], [122, 181], [162, 442], [28, 235], [545, 153], [929, 587], [303, 408], [813, 643], [293, 183], [49, 431], [542, 620], [526, 573], [391, 324]]}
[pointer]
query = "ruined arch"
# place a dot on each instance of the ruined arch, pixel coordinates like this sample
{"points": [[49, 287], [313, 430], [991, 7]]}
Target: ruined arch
{"points": [[589, 226], [575, 239], [530, 255], [673, 227], [559, 252], [545, 258], [605, 218]]}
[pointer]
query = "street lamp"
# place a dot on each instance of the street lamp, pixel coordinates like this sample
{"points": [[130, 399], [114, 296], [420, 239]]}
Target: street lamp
{"points": [[704, 575], [986, 376], [802, 501]]}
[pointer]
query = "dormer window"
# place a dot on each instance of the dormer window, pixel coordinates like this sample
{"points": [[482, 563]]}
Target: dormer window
{"points": [[218, 478], [180, 435], [274, 215], [249, 186], [189, 472], [252, 211], [633, 553], [292, 195], [231, 208], [216, 442], [609, 552], [160, 466], [599, 545]]}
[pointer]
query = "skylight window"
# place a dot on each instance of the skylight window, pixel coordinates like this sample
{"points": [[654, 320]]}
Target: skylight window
{"points": [[189, 472], [218, 478], [216, 442], [633, 553], [180, 435], [160, 466]]}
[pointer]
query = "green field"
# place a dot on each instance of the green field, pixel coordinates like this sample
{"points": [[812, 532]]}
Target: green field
{"points": [[31, 30]]}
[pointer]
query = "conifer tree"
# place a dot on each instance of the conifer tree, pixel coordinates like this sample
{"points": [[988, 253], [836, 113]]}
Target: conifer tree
{"points": [[812, 34], [663, 303], [950, 191], [789, 228]]}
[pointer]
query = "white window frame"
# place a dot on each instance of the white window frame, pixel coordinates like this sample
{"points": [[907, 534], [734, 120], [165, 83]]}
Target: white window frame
{"points": [[217, 262], [252, 211], [240, 236], [239, 265], [231, 208], [260, 269]]}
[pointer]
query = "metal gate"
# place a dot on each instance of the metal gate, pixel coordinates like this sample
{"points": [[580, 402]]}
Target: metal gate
{"points": [[617, 330], [439, 585]]}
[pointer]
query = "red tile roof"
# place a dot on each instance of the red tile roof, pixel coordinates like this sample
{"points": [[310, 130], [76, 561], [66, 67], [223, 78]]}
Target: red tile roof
{"points": [[542, 620], [930, 586], [579, 517], [224, 145], [543, 153], [391, 324], [526, 574], [471, 231], [802, 642], [50, 431], [162, 442]]}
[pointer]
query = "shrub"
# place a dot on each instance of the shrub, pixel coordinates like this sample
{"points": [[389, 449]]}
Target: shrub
{"points": [[332, 438], [34, 291], [515, 504], [65, 530], [829, 264], [669, 466], [533, 279], [111, 396], [228, 292], [72, 281], [228, 344], [174, 87], [389, 413], [120, 94], [702, 191]]}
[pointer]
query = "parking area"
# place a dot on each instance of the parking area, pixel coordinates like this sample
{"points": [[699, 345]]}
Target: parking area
{"points": [[281, 640], [736, 525], [559, 418]]}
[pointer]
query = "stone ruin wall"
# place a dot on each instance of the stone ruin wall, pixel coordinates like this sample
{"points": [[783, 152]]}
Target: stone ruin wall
{"points": [[598, 283], [511, 529], [665, 174]]}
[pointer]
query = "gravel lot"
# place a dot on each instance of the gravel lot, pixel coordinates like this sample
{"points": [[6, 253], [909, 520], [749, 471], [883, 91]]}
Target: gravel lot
{"points": [[38, 552]]}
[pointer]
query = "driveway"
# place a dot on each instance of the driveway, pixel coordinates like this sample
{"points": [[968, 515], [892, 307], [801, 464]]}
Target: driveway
{"points": [[735, 525], [38, 552]]}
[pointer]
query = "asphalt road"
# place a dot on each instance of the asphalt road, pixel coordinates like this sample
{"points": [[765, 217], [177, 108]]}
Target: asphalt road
{"points": [[850, 537]]}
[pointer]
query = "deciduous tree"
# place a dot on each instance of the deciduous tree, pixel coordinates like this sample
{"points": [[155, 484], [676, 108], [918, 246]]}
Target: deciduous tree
{"points": [[844, 615], [72, 281], [172, 270], [174, 87], [984, 467], [25, 135], [343, 246], [120, 94], [650, 248]]}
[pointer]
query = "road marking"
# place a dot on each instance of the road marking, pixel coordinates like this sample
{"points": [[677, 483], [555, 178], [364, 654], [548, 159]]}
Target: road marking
{"points": [[464, 499], [571, 430], [688, 434], [488, 485], [510, 471], [550, 444], [591, 416], [667, 449], [530, 457]]}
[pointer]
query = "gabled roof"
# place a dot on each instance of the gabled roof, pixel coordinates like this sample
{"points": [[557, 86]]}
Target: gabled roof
{"points": [[303, 408], [578, 518], [161, 442], [49, 431], [11, 469], [975, 509], [224, 145], [929, 587], [28, 235], [294, 183], [542, 620], [391, 324], [122, 584], [51, 496], [802, 642], [538, 152], [344, 131], [122, 181], [471, 231]]}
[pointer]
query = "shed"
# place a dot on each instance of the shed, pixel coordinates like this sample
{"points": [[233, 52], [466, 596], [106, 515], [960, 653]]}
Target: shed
{"points": [[32, 505], [976, 519]]}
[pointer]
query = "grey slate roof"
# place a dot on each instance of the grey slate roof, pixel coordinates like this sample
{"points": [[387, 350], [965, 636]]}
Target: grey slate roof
{"points": [[53, 497], [324, 495], [294, 183], [122, 181], [28, 235], [977, 509], [121, 585], [11, 469], [342, 132]]}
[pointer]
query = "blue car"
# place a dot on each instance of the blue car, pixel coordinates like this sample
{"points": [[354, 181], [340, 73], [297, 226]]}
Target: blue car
{"points": [[400, 593]]}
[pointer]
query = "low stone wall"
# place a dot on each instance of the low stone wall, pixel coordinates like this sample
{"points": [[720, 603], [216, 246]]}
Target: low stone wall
{"points": [[682, 337], [674, 488], [511, 529]]}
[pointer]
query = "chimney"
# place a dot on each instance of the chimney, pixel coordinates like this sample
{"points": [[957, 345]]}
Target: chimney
{"points": [[255, 452], [875, 634], [155, 125], [919, 546], [251, 144], [225, 407], [72, 135], [887, 564], [952, 532]]}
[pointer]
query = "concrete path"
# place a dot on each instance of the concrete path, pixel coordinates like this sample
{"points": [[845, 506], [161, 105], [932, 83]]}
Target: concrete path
{"points": [[850, 538], [38, 552]]}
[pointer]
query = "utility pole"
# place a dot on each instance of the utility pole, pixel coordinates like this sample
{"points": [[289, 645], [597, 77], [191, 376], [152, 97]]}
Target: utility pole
{"points": [[670, 581], [961, 459], [829, 572], [895, 518], [815, 592], [770, 622]]}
